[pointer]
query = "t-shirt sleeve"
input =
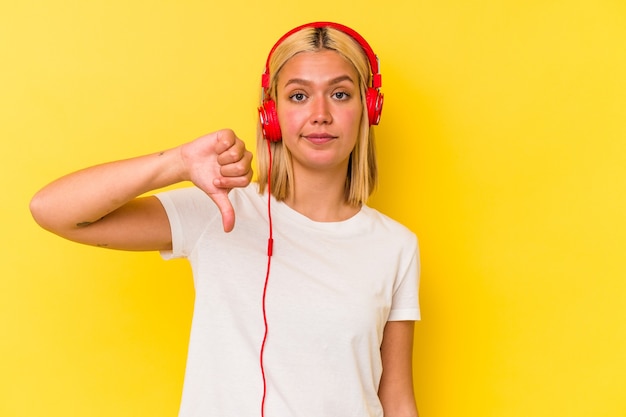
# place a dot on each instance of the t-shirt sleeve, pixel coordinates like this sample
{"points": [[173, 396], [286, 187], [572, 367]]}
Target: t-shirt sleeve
{"points": [[189, 211], [405, 302]]}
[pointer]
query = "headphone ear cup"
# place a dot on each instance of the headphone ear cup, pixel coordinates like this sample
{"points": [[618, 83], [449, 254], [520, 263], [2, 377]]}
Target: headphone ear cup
{"points": [[269, 121], [374, 101]]}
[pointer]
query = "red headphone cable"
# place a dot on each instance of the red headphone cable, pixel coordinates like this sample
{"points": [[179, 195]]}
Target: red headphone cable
{"points": [[270, 247]]}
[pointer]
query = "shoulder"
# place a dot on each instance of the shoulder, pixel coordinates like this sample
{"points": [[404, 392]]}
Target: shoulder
{"points": [[246, 195], [384, 225], [183, 195], [191, 202], [194, 195]]}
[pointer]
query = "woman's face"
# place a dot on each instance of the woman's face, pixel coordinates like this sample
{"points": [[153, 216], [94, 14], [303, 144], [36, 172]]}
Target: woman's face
{"points": [[319, 110]]}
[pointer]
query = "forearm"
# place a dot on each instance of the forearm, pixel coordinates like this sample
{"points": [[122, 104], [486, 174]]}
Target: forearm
{"points": [[396, 386], [84, 197], [400, 403]]}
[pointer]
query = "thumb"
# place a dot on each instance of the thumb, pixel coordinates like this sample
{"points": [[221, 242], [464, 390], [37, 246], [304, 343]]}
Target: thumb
{"points": [[220, 198]]}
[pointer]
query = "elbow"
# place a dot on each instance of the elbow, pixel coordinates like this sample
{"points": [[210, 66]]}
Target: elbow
{"points": [[38, 210], [41, 211]]}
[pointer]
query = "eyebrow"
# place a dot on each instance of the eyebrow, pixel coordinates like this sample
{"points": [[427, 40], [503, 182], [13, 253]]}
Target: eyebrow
{"points": [[336, 80]]}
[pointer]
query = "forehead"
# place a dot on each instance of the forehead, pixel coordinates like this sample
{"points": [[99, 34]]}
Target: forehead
{"points": [[319, 65]]}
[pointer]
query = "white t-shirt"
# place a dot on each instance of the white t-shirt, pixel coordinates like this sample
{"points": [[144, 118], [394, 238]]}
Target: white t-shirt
{"points": [[331, 289]]}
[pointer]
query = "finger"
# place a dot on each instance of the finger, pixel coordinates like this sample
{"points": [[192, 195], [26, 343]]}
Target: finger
{"points": [[225, 141], [242, 167], [233, 153], [228, 183], [226, 209]]}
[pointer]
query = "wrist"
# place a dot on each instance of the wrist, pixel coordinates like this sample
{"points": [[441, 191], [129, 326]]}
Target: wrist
{"points": [[168, 168]]}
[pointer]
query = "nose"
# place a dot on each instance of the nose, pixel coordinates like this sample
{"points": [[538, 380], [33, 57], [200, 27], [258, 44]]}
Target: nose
{"points": [[320, 111]]}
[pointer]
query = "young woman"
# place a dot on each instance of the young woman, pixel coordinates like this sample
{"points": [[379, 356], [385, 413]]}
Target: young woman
{"points": [[307, 306]]}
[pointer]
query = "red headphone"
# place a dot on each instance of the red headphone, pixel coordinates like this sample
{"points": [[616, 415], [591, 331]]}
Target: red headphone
{"points": [[374, 98]]}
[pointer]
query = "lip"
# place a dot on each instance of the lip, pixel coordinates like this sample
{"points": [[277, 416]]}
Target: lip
{"points": [[319, 138]]}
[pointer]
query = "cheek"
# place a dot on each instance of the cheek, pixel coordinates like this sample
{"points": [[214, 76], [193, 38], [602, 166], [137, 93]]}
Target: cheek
{"points": [[290, 119], [354, 118]]}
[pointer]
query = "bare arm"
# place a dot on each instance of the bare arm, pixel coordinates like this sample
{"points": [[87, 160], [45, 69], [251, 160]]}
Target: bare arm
{"points": [[100, 205], [396, 385]]}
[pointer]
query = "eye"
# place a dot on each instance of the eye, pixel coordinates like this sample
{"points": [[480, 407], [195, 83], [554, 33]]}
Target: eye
{"points": [[341, 95], [297, 97]]}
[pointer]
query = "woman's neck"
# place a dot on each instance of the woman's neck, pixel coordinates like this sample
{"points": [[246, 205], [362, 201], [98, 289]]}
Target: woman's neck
{"points": [[321, 198]]}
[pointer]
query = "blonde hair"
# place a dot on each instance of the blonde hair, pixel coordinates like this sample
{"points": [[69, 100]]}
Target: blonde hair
{"points": [[362, 172]]}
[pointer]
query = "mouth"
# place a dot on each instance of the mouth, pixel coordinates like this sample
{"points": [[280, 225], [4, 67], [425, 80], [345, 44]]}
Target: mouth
{"points": [[319, 138]]}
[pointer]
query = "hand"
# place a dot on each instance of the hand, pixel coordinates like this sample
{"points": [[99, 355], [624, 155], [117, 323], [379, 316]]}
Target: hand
{"points": [[217, 163]]}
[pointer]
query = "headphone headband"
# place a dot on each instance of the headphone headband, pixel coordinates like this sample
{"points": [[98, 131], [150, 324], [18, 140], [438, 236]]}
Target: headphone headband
{"points": [[371, 56]]}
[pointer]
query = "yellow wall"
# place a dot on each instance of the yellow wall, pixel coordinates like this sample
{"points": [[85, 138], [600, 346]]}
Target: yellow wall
{"points": [[502, 146]]}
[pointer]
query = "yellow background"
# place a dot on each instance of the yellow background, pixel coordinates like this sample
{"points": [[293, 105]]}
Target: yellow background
{"points": [[502, 145]]}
